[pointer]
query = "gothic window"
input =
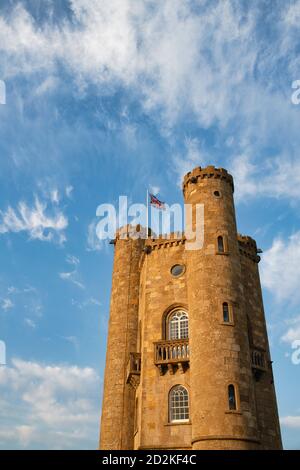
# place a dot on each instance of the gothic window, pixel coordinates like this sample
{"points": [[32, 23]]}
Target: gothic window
{"points": [[231, 397], [221, 248], [178, 325], [178, 404], [226, 316]]}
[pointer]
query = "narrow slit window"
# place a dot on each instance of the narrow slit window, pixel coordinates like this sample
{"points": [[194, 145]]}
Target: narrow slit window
{"points": [[221, 248], [226, 316], [231, 397]]}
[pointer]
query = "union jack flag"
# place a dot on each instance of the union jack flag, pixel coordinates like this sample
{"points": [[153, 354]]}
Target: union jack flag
{"points": [[156, 202]]}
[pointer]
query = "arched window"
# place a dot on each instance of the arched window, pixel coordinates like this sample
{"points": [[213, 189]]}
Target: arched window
{"points": [[178, 404], [221, 248], [226, 316], [231, 397], [178, 325]]}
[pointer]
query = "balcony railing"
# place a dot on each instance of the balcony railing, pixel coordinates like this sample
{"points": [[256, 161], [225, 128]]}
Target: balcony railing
{"points": [[172, 354], [258, 362], [258, 359], [134, 369]]}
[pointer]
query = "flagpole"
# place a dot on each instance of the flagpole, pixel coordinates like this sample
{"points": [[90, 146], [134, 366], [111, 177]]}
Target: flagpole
{"points": [[147, 218]]}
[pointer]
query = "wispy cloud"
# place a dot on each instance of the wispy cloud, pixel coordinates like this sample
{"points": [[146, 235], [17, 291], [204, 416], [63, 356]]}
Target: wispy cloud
{"points": [[55, 406], [290, 421], [55, 196], [192, 156], [293, 332], [13, 290], [35, 221], [72, 340], [29, 322], [277, 177], [71, 259], [191, 73], [93, 242], [69, 191], [154, 189], [170, 71], [280, 268], [86, 303], [72, 276], [6, 304]]}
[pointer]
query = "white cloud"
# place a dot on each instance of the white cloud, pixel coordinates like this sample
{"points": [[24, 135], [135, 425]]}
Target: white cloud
{"points": [[49, 84], [55, 196], [291, 15], [7, 304], [69, 190], [293, 332], [86, 303], [154, 189], [181, 62], [29, 322], [94, 301], [93, 242], [72, 340], [280, 268], [193, 156], [73, 278], [277, 177], [290, 421], [71, 259], [12, 290], [166, 51], [35, 221], [48, 406]]}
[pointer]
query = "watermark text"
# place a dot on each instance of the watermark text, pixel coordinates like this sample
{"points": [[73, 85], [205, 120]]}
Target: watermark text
{"points": [[2, 92]]}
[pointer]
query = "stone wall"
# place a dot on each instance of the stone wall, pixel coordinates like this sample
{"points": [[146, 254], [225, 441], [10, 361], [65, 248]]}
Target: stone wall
{"points": [[135, 403]]}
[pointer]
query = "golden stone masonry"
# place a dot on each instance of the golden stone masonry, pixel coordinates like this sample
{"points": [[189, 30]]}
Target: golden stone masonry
{"points": [[188, 363]]}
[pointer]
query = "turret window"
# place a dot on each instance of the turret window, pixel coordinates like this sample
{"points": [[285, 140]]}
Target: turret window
{"points": [[231, 397], [178, 404], [226, 316], [178, 325], [221, 248]]}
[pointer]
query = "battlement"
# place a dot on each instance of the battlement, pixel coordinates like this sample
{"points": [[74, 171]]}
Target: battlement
{"points": [[248, 247], [132, 231], [173, 239], [192, 177]]}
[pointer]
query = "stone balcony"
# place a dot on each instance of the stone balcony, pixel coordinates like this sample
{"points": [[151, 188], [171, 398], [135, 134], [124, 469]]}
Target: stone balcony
{"points": [[133, 369], [258, 362], [172, 355]]}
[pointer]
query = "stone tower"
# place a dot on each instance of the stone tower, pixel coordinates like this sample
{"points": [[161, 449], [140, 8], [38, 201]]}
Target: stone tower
{"points": [[188, 363]]}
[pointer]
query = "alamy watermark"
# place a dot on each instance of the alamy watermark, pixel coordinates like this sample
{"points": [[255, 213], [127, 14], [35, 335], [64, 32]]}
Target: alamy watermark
{"points": [[295, 98], [296, 354], [2, 92], [189, 220], [2, 353]]}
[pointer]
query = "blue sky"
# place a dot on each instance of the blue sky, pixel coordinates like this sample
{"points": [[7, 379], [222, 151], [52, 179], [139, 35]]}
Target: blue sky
{"points": [[113, 97]]}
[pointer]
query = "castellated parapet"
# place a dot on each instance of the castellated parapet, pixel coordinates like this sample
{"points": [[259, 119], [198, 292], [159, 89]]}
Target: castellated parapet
{"points": [[188, 363]]}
